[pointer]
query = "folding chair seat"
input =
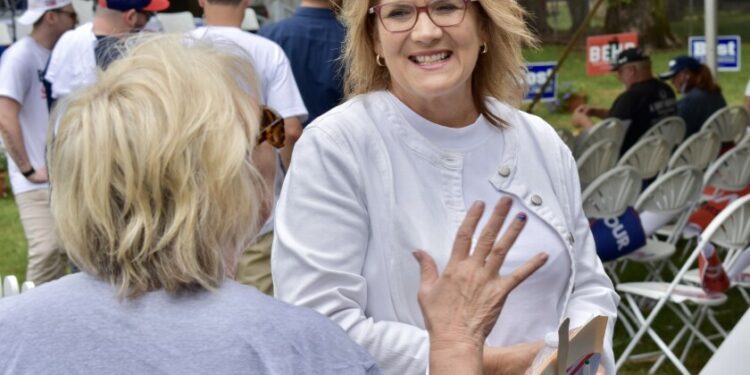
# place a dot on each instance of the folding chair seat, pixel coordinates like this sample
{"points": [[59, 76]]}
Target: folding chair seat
{"points": [[180, 22], [599, 158], [729, 122], [673, 194], [649, 156], [567, 137], [671, 128], [610, 128], [730, 230], [699, 150]]}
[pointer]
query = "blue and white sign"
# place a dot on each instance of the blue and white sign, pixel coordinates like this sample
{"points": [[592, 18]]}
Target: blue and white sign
{"points": [[727, 51], [536, 75]]}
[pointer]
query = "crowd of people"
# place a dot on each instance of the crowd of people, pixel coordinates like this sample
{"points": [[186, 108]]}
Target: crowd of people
{"points": [[339, 161]]}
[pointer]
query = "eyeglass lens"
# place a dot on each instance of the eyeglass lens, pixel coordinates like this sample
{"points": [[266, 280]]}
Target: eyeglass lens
{"points": [[402, 16]]}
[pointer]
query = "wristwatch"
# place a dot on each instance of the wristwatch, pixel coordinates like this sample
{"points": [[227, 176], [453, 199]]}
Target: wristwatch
{"points": [[28, 173]]}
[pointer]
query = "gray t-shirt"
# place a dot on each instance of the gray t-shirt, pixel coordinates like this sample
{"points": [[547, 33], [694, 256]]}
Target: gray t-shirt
{"points": [[76, 325]]}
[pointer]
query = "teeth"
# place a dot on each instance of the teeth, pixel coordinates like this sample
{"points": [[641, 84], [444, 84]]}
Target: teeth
{"points": [[431, 58]]}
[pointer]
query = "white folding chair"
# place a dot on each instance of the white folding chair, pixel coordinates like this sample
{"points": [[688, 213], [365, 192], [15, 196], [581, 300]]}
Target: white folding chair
{"points": [[649, 156], [84, 10], [5, 38], [729, 122], [673, 194], [699, 150], [608, 197], [730, 229], [611, 129], [567, 137], [599, 158], [250, 22], [10, 286], [180, 22], [731, 171], [672, 128]]}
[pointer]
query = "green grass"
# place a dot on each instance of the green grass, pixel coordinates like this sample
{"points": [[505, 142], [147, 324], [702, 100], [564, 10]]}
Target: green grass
{"points": [[12, 241]]}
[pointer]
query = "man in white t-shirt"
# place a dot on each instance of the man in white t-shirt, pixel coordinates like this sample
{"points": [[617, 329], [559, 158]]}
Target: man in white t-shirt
{"points": [[76, 57], [279, 91], [747, 96], [23, 124]]}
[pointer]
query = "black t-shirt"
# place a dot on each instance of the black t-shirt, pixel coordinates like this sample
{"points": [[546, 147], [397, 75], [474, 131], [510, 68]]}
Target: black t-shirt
{"points": [[643, 105]]}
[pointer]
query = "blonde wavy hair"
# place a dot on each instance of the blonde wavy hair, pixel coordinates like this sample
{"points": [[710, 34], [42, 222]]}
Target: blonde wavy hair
{"points": [[499, 73], [152, 181]]}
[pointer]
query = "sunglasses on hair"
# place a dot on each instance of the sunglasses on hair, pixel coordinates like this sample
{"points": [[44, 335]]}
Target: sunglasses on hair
{"points": [[271, 127]]}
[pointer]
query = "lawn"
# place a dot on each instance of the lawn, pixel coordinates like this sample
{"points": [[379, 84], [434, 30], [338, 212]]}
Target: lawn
{"points": [[601, 91]]}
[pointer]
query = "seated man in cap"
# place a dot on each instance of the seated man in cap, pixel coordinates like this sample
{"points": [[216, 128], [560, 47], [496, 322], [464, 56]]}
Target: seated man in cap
{"points": [[23, 126], [75, 58], [701, 96], [646, 100]]}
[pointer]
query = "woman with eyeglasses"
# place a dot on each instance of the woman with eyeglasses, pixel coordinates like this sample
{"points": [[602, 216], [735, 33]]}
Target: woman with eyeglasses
{"points": [[429, 129]]}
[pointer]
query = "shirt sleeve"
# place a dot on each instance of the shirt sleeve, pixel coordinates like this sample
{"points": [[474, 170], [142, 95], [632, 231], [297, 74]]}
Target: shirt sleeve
{"points": [[322, 232], [15, 76], [283, 94], [593, 292]]}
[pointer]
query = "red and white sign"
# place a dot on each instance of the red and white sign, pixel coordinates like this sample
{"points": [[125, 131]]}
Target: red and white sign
{"points": [[602, 51]]}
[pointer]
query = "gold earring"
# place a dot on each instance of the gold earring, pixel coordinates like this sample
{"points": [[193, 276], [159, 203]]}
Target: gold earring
{"points": [[379, 60], [484, 48]]}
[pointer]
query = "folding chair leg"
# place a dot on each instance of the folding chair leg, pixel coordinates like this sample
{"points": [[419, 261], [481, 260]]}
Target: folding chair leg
{"points": [[715, 323], [692, 328], [654, 336], [700, 316], [743, 292], [625, 317]]}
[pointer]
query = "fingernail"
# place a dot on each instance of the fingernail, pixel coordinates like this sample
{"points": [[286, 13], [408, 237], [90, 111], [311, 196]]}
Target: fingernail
{"points": [[543, 256], [477, 204], [521, 216]]}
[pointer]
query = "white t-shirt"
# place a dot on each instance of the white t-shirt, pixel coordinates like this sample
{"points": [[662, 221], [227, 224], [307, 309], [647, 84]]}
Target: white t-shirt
{"points": [[278, 88], [73, 63], [747, 90], [20, 79], [480, 145]]}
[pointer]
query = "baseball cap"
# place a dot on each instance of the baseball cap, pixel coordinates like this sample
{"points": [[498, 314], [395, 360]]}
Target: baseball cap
{"points": [[679, 64], [629, 55], [126, 5], [37, 8]]}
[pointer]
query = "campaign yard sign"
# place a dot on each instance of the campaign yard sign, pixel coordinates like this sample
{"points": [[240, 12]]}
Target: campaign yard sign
{"points": [[602, 51], [536, 75], [727, 51]]}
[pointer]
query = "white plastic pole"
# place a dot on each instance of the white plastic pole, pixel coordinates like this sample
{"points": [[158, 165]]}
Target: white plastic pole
{"points": [[710, 31]]}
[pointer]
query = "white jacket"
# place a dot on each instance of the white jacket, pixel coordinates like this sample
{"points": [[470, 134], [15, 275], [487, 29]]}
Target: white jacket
{"points": [[364, 190]]}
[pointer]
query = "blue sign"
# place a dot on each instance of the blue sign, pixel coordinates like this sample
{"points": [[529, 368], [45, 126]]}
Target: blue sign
{"points": [[727, 51], [536, 75]]}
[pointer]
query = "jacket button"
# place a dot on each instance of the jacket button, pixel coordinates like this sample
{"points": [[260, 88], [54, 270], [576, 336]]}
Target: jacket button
{"points": [[536, 200], [571, 239], [503, 171]]}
